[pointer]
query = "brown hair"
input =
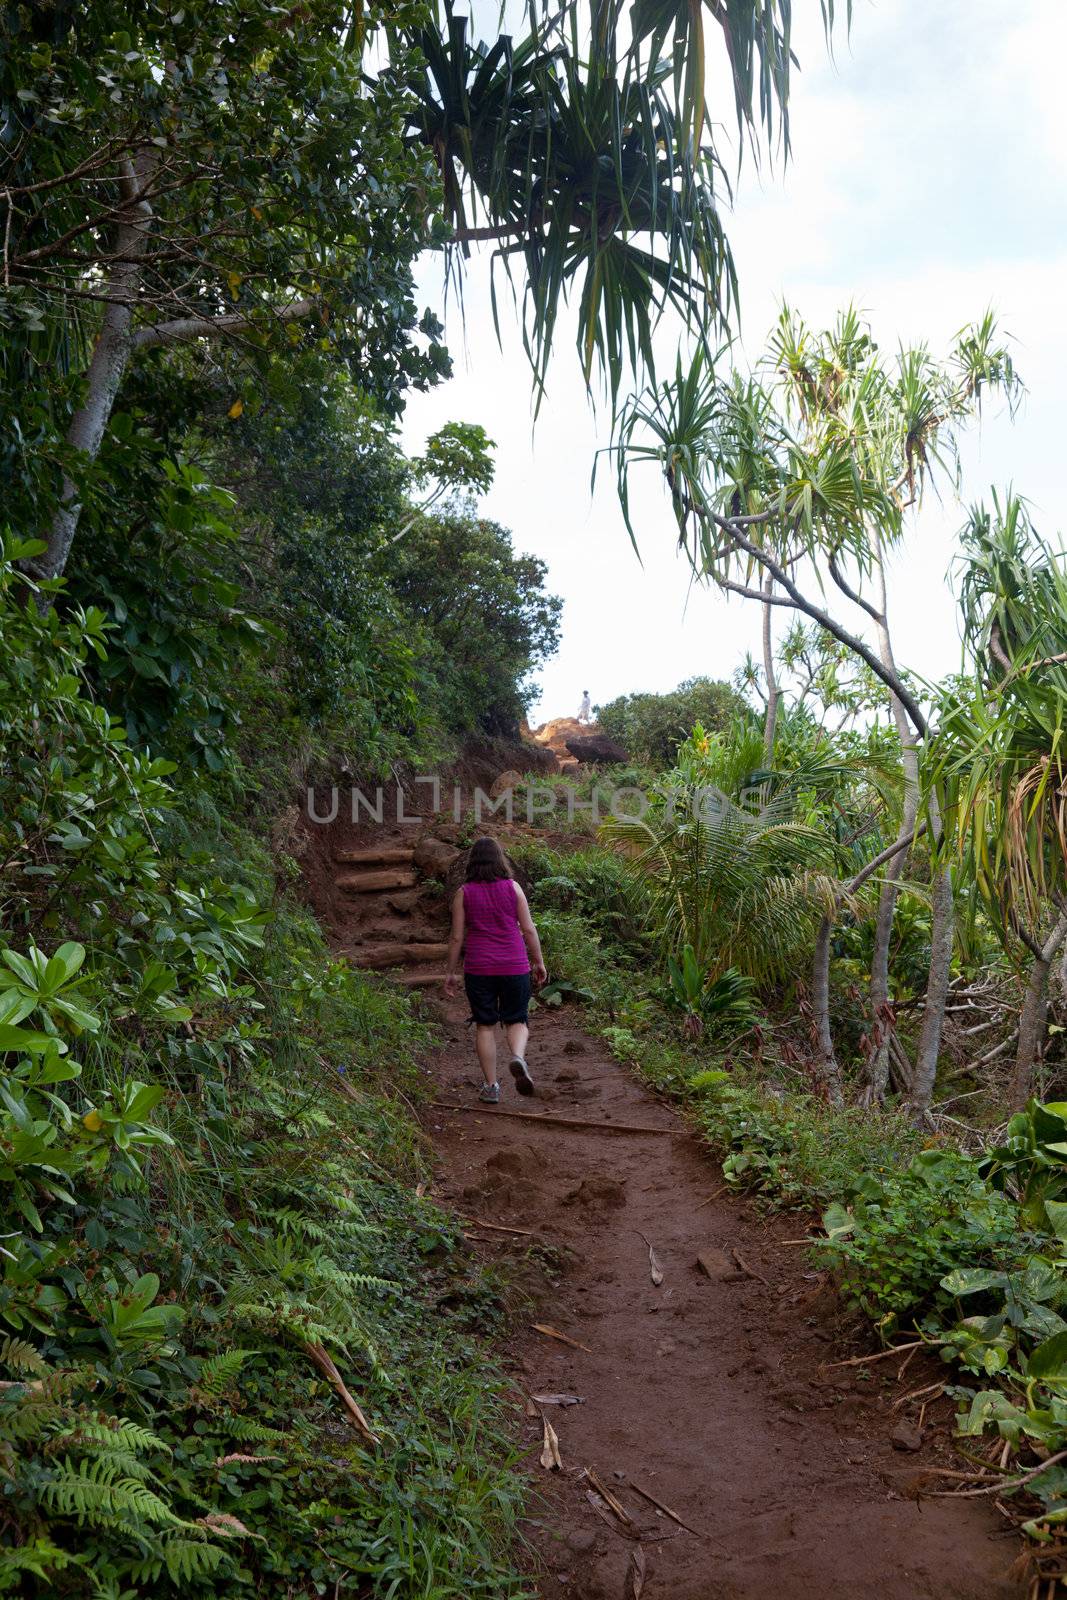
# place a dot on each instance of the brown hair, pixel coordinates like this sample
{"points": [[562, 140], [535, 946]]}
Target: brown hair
{"points": [[486, 862]]}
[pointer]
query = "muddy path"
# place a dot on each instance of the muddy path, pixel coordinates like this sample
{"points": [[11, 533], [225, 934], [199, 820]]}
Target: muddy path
{"points": [[711, 1393], [716, 1390]]}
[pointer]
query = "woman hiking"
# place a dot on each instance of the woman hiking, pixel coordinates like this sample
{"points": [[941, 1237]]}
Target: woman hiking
{"points": [[492, 925]]}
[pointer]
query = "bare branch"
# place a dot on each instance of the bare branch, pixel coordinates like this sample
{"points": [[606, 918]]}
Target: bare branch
{"points": [[206, 327]]}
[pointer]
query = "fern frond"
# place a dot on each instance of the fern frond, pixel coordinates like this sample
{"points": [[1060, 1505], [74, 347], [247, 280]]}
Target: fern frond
{"points": [[18, 1355], [95, 1491], [245, 1431], [186, 1559], [112, 1435], [40, 1557], [218, 1373]]}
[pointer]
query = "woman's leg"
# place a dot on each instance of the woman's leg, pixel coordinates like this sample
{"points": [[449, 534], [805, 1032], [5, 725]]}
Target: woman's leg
{"points": [[518, 1035], [485, 1044]]}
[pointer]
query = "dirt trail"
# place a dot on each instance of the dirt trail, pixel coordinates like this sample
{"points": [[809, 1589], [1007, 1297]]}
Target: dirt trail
{"points": [[712, 1393]]}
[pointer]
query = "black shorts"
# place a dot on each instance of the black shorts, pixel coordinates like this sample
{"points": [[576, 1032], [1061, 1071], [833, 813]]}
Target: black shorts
{"points": [[498, 997]]}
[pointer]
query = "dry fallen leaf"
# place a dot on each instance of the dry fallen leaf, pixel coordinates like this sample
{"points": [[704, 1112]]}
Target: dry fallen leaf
{"points": [[550, 1456], [655, 1270], [557, 1399], [635, 1574], [229, 1527], [565, 1338]]}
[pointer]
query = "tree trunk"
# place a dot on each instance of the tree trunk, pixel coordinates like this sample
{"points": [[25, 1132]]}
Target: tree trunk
{"points": [[876, 1072], [771, 715], [828, 1066], [942, 929], [1033, 1017], [826, 1061], [110, 357]]}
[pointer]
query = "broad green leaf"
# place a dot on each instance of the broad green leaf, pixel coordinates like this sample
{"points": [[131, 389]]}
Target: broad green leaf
{"points": [[30, 1043], [146, 1096], [1056, 1211], [1049, 1360], [972, 1280]]}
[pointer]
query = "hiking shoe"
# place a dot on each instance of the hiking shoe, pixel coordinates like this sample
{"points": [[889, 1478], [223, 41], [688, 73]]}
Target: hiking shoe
{"points": [[490, 1093], [521, 1073]]}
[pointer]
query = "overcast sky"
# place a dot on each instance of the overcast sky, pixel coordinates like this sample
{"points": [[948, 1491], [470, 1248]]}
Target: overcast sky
{"points": [[926, 183]]}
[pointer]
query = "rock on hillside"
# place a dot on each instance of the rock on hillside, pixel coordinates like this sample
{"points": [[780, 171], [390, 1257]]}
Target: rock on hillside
{"points": [[559, 735], [598, 748]]}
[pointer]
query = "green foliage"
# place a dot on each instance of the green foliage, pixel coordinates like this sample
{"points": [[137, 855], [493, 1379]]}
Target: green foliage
{"points": [[999, 753], [598, 883], [652, 726], [744, 888], [905, 1231], [1030, 1163], [199, 1181], [725, 1000], [483, 614], [792, 1148]]}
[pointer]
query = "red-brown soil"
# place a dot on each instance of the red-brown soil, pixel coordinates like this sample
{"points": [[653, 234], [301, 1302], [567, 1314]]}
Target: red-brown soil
{"points": [[716, 1395]]}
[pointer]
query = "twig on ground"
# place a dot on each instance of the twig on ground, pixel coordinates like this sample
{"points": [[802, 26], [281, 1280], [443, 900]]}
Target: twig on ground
{"points": [[913, 1394], [325, 1365], [564, 1338], [1002, 1483], [882, 1355], [557, 1122], [904, 1366], [749, 1272], [667, 1512], [498, 1227]]}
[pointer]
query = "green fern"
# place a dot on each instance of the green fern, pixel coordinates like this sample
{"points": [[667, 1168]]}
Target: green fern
{"points": [[187, 1559], [113, 1435], [95, 1491], [245, 1431], [183, 1557], [40, 1557], [18, 1355], [218, 1373]]}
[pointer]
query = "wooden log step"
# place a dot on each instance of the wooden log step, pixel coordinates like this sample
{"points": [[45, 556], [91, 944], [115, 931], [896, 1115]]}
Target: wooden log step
{"points": [[398, 955], [421, 980], [371, 882], [375, 856]]}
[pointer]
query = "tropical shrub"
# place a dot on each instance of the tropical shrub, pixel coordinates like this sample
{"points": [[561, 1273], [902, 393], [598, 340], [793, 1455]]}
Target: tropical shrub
{"points": [[207, 1220], [652, 726], [792, 1148], [902, 1233], [1030, 1163], [743, 888]]}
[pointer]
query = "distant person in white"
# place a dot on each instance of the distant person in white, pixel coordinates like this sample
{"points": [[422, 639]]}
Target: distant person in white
{"points": [[585, 710]]}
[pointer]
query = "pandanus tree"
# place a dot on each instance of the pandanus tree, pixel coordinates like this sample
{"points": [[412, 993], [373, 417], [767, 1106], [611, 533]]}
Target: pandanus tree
{"points": [[794, 482], [1000, 761], [265, 175]]}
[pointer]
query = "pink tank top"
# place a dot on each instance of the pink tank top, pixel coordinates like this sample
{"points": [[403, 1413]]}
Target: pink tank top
{"points": [[494, 945]]}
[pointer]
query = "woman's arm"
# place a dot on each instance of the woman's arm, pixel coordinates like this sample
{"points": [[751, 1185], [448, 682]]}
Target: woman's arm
{"points": [[529, 933], [455, 942]]}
